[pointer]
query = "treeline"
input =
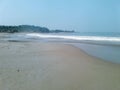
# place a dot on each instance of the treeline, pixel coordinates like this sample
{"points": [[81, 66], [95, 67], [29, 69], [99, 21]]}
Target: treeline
{"points": [[28, 28], [23, 28]]}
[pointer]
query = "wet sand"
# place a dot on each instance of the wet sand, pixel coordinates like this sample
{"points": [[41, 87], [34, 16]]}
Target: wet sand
{"points": [[52, 66]]}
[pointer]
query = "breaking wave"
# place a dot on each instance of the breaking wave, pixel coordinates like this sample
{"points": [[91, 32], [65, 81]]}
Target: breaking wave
{"points": [[81, 38]]}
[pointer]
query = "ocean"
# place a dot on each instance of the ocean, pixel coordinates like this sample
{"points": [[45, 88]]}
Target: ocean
{"points": [[104, 45]]}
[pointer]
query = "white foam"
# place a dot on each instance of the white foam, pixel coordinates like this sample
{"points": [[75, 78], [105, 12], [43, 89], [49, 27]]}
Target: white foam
{"points": [[84, 38]]}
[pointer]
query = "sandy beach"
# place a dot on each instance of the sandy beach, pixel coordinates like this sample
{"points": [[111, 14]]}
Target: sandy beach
{"points": [[52, 66]]}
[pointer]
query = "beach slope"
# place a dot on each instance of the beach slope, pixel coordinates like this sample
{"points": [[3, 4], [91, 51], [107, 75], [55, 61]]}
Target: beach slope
{"points": [[52, 66]]}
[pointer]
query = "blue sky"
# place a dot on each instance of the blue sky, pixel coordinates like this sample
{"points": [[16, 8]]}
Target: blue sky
{"points": [[79, 15]]}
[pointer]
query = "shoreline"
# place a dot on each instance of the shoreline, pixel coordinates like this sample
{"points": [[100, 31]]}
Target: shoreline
{"points": [[73, 44], [108, 51], [95, 57]]}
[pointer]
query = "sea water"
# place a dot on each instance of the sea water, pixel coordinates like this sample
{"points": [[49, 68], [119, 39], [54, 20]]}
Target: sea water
{"points": [[104, 45]]}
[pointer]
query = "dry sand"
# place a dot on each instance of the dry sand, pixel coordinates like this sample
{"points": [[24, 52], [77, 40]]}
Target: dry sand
{"points": [[51, 66]]}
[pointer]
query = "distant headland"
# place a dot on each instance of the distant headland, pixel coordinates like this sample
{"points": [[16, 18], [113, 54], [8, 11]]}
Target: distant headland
{"points": [[29, 28]]}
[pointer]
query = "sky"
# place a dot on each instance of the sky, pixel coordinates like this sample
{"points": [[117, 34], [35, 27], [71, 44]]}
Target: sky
{"points": [[78, 15]]}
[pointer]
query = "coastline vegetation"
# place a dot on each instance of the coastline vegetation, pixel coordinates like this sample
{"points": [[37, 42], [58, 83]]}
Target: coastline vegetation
{"points": [[29, 28]]}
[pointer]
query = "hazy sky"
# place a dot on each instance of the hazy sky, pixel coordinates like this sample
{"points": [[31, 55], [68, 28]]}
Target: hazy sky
{"points": [[79, 15]]}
